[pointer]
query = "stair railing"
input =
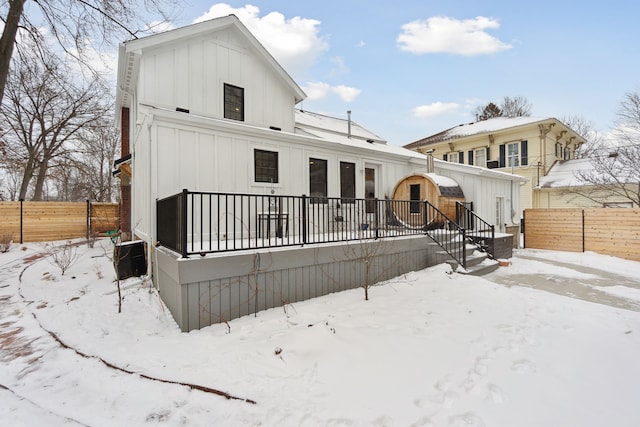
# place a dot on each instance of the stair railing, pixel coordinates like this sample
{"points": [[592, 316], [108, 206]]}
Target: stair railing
{"points": [[446, 232], [478, 231]]}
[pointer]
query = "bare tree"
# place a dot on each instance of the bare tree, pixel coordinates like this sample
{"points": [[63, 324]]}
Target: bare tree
{"points": [[587, 130], [517, 106], [85, 173], [616, 167], [629, 119], [43, 113], [79, 26]]}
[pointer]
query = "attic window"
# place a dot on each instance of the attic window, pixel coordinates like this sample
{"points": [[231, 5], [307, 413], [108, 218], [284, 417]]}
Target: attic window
{"points": [[233, 102]]}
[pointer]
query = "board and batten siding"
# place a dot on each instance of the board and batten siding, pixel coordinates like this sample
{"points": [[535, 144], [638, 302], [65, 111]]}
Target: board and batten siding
{"points": [[209, 156], [191, 75], [483, 191]]}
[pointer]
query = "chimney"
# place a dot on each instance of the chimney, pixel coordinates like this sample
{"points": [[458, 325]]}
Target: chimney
{"points": [[429, 154], [348, 123]]}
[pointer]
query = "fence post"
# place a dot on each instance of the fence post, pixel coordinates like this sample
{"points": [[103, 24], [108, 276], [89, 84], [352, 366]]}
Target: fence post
{"points": [[304, 219], [88, 235], [582, 210], [21, 201], [183, 225]]}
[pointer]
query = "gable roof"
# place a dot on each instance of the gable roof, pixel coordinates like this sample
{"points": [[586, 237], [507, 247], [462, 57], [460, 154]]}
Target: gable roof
{"points": [[130, 52], [493, 125]]}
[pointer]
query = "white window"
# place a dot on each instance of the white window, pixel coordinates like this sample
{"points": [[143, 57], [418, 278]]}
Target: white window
{"points": [[513, 154], [480, 157], [454, 157]]}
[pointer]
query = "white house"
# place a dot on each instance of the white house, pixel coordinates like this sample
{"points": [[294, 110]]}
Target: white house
{"points": [[223, 163]]}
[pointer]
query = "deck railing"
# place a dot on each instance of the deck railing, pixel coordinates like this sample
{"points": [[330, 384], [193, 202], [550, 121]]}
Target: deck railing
{"points": [[193, 223]]}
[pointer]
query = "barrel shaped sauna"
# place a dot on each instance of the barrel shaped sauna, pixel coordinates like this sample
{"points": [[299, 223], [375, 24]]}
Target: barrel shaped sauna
{"points": [[442, 192]]}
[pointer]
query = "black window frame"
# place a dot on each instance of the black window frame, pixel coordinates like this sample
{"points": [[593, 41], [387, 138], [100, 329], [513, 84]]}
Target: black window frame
{"points": [[265, 166], [414, 196], [233, 102], [318, 180], [347, 182]]}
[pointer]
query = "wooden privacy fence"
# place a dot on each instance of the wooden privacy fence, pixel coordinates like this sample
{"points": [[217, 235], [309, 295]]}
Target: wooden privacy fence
{"points": [[609, 231], [48, 221]]}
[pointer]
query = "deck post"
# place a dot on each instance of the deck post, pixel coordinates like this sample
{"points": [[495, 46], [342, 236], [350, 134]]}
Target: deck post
{"points": [[377, 215], [183, 223], [304, 219]]}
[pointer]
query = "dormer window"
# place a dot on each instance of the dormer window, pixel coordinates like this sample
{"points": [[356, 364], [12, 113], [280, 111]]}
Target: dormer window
{"points": [[233, 102]]}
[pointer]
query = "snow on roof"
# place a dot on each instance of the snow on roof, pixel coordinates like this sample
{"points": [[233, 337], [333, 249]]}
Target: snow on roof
{"points": [[483, 126], [308, 121], [565, 173], [492, 125], [358, 142], [442, 181]]}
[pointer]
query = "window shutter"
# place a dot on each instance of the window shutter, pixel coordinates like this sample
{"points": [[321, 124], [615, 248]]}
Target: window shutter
{"points": [[460, 156], [524, 160], [470, 155], [445, 157], [502, 156], [488, 152]]}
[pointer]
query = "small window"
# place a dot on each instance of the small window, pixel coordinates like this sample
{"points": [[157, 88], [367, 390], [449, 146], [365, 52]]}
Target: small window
{"points": [[454, 157], [414, 195], [266, 165], [318, 180], [513, 154], [233, 102], [480, 157], [347, 182]]}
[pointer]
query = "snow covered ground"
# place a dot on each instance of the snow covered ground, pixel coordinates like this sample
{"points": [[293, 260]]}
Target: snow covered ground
{"points": [[552, 340]]}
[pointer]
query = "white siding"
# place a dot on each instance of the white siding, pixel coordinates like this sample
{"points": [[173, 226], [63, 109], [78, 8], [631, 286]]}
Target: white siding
{"points": [[191, 75]]}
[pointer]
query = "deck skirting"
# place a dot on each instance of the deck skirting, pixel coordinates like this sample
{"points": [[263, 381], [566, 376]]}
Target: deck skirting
{"points": [[201, 291]]}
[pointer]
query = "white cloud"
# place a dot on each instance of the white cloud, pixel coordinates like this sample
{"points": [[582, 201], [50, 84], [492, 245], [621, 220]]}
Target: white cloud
{"points": [[340, 66], [435, 109], [320, 90], [346, 93], [441, 34], [294, 42], [316, 90]]}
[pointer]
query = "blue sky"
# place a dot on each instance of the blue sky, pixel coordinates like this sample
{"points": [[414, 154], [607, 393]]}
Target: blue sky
{"points": [[408, 69]]}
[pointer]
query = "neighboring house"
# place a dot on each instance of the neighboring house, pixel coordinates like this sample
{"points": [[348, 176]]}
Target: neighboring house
{"points": [[564, 186], [234, 191], [526, 146]]}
